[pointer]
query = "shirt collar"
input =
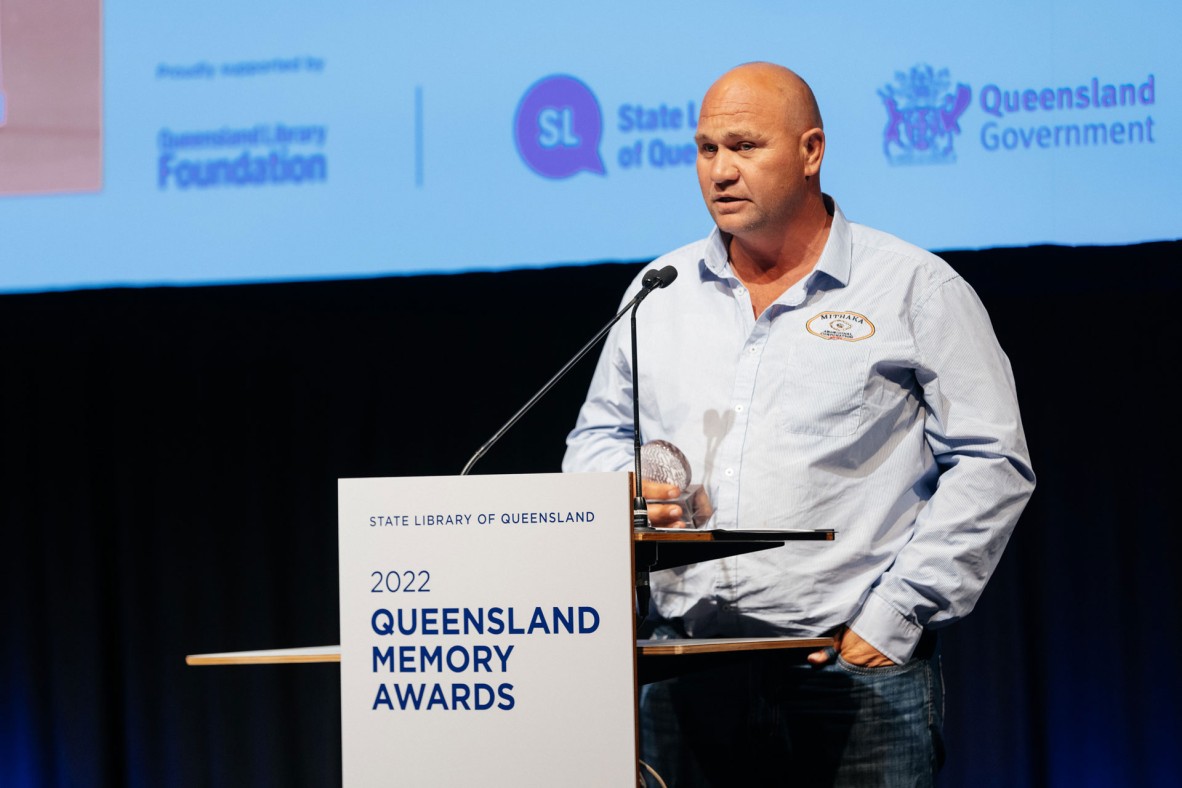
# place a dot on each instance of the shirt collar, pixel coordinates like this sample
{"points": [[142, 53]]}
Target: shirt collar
{"points": [[834, 261], [838, 252]]}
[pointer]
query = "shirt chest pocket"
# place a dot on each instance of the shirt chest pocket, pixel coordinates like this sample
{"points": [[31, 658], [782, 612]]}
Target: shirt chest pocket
{"points": [[823, 388]]}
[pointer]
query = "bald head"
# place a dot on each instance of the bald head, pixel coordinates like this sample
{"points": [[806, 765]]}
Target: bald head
{"points": [[773, 85]]}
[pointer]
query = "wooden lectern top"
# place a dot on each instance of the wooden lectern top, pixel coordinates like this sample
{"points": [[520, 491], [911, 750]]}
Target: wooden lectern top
{"points": [[654, 648]]}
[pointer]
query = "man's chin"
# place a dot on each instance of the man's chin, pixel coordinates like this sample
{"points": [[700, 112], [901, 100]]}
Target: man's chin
{"points": [[735, 224]]}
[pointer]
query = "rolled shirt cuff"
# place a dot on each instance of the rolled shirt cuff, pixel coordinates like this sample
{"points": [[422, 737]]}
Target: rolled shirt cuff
{"points": [[880, 625]]}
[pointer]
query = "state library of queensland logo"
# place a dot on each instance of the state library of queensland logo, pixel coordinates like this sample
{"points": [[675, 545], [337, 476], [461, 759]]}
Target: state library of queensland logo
{"points": [[923, 111], [558, 126]]}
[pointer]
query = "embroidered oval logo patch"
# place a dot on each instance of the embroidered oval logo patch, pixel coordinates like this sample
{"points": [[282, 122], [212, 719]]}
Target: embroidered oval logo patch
{"points": [[846, 326]]}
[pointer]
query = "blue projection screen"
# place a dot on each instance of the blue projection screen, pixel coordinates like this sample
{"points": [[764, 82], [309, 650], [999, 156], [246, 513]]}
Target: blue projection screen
{"points": [[178, 143]]}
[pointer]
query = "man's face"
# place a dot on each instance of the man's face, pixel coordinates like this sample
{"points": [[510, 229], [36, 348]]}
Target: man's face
{"points": [[752, 158]]}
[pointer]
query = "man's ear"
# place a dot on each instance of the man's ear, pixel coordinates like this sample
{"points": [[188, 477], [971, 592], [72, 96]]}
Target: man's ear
{"points": [[812, 143]]}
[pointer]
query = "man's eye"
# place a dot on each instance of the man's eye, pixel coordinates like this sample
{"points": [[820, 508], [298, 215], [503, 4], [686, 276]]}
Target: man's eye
{"points": [[745, 146]]}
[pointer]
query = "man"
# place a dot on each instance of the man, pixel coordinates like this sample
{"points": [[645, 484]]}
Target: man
{"points": [[816, 374]]}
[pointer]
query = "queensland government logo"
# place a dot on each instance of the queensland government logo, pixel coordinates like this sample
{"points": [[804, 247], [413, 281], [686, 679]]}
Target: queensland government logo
{"points": [[558, 126], [922, 114]]}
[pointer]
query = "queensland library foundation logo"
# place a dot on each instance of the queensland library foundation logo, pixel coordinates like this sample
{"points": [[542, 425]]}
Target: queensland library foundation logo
{"points": [[923, 111], [558, 127]]}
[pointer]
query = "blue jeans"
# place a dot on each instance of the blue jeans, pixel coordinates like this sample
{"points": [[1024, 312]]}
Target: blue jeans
{"points": [[771, 719]]}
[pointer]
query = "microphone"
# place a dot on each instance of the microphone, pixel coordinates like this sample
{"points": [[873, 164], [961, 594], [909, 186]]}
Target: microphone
{"points": [[652, 280], [656, 279]]}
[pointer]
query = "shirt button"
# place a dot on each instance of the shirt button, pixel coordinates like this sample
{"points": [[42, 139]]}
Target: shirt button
{"points": [[738, 409], [729, 471], [753, 349]]}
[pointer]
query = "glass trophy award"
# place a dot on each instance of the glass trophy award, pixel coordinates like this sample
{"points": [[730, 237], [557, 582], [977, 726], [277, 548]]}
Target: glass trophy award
{"points": [[661, 461]]}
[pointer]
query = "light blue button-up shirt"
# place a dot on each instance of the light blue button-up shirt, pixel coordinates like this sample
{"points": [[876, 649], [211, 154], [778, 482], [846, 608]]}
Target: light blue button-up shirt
{"points": [[871, 398]]}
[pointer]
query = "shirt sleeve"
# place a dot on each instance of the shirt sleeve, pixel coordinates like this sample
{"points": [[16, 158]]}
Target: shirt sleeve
{"points": [[974, 429]]}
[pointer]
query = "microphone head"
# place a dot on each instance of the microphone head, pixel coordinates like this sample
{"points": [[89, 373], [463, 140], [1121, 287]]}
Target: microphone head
{"points": [[654, 279], [666, 275], [661, 461]]}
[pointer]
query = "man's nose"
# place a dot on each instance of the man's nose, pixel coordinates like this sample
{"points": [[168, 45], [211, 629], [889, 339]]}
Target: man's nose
{"points": [[723, 169]]}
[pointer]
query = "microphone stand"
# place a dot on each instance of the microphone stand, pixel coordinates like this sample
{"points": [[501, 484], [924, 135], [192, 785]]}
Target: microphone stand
{"points": [[639, 504], [652, 280]]}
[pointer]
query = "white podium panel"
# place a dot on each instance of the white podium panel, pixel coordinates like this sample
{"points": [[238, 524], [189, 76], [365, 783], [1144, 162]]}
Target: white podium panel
{"points": [[487, 631]]}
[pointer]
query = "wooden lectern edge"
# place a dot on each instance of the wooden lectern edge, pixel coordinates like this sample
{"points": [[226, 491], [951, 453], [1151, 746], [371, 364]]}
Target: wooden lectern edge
{"points": [[679, 646], [713, 535], [650, 648], [277, 656]]}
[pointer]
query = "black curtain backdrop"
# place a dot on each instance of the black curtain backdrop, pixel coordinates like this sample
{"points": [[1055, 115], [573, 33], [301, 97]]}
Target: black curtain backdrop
{"points": [[168, 467]]}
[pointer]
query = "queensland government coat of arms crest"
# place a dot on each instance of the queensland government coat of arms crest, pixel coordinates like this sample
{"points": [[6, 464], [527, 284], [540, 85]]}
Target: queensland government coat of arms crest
{"points": [[922, 116]]}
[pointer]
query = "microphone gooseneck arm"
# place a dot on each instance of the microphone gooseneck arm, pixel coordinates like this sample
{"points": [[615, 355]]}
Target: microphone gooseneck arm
{"points": [[652, 280]]}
